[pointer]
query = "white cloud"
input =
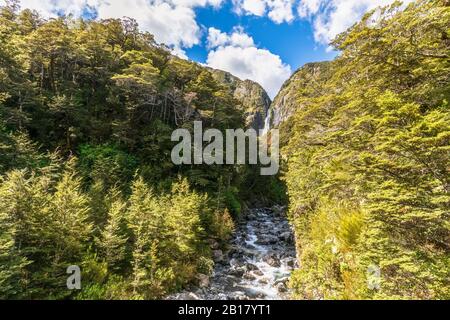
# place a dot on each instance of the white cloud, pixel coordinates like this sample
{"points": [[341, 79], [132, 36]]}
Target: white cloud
{"points": [[197, 3], [50, 8], [332, 17], [216, 38], [278, 11], [255, 7], [328, 17], [172, 22], [237, 54], [308, 7], [281, 10], [238, 38]]}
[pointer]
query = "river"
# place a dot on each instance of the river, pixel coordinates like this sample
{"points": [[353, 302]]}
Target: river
{"points": [[258, 264]]}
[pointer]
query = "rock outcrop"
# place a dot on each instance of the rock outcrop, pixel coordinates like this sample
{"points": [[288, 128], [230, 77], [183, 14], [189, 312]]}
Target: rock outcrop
{"points": [[306, 83], [253, 98]]}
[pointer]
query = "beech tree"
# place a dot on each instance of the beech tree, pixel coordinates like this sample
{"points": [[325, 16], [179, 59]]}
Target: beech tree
{"points": [[375, 143]]}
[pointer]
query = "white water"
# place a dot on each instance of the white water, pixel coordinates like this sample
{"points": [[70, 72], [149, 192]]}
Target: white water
{"points": [[258, 266], [270, 274], [266, 128]]}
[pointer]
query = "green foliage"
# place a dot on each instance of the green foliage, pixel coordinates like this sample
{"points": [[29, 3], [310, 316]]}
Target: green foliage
{"points": [[109, 94], [366, 160], [232, 203], [329, 242], [262, 190], [18, 151], [112, 242], [12, 262], [166, 236], [222, 225], [50, 229], [376, 139], [155, 242], [107, 164]]}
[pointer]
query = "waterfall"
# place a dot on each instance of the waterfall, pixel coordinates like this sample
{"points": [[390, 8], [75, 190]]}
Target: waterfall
{"points": [[267, 121]]}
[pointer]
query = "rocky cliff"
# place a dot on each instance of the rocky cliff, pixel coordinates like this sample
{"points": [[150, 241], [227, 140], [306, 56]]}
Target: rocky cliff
{"points": [[306, 83], [252, 96]]}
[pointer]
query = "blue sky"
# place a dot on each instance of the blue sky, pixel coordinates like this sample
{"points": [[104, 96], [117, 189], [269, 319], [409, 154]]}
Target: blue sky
{"points": [[261, 40], [293, 42]]}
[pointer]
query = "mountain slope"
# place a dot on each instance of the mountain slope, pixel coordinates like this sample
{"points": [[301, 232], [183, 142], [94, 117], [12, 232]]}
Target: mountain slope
{"points": [[306, 83], [87, 113], [366, 147], [250, 94]]}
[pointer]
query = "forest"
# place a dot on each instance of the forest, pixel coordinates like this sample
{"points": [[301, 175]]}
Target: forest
{"points": [[87, 109], [367, 160]]}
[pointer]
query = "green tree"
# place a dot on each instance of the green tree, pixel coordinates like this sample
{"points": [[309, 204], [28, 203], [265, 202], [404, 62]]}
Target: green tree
{"points": [[12, 261], [113, 238], [376, 138]]}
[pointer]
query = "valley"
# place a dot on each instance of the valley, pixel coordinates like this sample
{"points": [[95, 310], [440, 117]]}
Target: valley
{"points": [[257, 264]]}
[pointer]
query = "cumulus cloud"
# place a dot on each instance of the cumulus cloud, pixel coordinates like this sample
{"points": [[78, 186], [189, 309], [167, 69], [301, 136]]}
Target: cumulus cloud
{"points": [[308, 7], [328, 17], [51, 8], [172, 22], [216, 38], [281, 10], [255, 7], [236, 53], [238, 38], [331, 17], [278, 11]]}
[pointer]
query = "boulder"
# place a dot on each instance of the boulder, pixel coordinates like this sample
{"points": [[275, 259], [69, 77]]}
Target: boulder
{"points": [[258, 273], [266, 240], [203, 280], [236, 272], [251, 267], [218, 255], [272, 260], [279, 211], [253, 294], [281, 287], [283, 281], [190, 296], [290, 263], [287, 237], [249, 276]]}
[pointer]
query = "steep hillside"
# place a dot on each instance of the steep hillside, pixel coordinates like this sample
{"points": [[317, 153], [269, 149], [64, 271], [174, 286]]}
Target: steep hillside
{"points": [[304, 84], [87, 111], [87, 177], [250, 94], [366, 150]]}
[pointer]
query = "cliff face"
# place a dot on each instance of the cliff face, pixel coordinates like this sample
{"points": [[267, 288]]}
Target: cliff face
{"points": [[251, 95], [306, 83]]}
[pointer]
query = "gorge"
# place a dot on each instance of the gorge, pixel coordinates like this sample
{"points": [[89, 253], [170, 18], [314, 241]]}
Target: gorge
{"points": [[256, 265], [87, 111]]}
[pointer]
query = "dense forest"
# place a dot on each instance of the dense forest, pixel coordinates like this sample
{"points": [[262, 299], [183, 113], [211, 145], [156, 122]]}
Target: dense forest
{"points": [[87, 109], [366, 147]]}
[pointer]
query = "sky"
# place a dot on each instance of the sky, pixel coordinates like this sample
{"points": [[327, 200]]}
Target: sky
{"points": [[261, 40]]}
